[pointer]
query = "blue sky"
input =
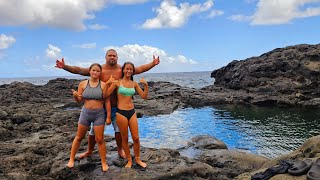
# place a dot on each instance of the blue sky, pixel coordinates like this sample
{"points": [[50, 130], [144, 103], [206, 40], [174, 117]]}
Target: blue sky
{"points": [[188, 35]]}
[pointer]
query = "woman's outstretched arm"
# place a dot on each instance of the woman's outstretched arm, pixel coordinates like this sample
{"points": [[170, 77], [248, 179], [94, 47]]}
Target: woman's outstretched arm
{"points": [[111, 85]]}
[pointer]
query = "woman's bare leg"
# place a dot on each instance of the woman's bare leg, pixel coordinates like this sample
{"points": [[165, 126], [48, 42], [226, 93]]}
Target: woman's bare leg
{"points": [[101, 146], [122, 123], [133, 125], [81, 132]]}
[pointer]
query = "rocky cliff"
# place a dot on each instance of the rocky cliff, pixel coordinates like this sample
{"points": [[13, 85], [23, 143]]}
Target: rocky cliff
{"points": [[293, 72]]}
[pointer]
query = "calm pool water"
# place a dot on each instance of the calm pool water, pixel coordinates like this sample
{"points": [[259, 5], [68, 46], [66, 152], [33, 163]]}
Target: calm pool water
{"points": [[267, 131]]}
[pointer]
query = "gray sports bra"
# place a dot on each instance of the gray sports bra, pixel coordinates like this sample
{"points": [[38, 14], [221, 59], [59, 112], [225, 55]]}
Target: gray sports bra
{"points": [[92, 92]]}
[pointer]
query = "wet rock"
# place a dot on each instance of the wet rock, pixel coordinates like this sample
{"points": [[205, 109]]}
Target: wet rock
{"points": [[231, 163], [207, 142]]}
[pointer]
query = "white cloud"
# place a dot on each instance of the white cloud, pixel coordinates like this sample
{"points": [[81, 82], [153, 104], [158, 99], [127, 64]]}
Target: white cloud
{"points": [[143, 54], [87, 45], [6, 41], [65, 14], [68, 14], [53, 51], [240, 18], [284, 11], [97, 27], [215, 13], [125, 2], [138, 54], [171, 16]]}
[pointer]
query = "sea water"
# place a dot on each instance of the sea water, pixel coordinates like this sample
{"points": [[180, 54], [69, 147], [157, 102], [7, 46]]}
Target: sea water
{"points": [[266, 131]]}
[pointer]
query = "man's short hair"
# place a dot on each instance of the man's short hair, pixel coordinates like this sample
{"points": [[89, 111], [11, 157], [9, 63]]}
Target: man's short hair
{"points": [[111, 50]]}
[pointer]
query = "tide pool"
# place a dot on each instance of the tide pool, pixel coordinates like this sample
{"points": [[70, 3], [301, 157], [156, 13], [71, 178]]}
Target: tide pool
{"points": [[267, 131]]}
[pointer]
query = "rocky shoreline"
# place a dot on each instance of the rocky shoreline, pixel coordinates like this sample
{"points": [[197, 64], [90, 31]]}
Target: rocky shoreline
{"points": [[38, 123]]}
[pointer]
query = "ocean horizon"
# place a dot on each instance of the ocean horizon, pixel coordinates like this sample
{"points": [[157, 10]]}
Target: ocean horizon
{"points": [[196, 79]]}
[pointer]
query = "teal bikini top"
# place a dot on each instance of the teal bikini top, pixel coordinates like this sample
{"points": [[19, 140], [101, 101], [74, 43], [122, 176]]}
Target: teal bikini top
{"points": [[126, 91]]}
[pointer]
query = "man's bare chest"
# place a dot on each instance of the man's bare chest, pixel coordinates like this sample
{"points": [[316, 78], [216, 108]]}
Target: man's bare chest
{"points": [[106, 74]]}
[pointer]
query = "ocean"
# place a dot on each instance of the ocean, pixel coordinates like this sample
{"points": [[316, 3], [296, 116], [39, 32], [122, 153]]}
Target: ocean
{"points": [[266, 131], [188, 79]]}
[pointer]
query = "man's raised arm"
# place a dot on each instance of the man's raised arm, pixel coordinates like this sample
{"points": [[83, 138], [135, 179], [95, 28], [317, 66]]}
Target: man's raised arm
{"points": [[72, 69], [147, 67]]}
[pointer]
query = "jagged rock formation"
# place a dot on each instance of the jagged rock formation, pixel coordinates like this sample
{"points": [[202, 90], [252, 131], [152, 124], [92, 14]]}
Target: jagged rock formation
{"points": [[293, 72]]}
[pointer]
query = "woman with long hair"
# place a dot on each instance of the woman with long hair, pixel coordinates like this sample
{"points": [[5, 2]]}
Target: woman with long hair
{"points": [[126, 116], [93, 111]]}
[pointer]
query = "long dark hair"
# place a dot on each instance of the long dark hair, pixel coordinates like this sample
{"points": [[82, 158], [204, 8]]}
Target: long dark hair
{"points": [[124, 65]]}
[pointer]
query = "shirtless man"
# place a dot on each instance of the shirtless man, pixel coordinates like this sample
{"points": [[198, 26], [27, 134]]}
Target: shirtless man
{"points": [[111, 67]]}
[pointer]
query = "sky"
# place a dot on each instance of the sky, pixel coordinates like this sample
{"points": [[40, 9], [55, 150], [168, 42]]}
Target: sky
{"points": [[201, 35]]}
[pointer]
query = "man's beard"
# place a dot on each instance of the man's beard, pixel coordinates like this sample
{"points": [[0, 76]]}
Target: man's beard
{"points": [[112, 62]]}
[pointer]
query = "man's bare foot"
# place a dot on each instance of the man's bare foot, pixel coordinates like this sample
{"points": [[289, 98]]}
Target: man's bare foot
{"points": [[121, 154], [85, 154], [105, 167], [70, 164], [129, 164], [140, 163]]}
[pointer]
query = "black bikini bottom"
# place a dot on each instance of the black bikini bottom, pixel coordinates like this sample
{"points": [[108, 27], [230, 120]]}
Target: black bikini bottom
{"points": [[126, 113]]}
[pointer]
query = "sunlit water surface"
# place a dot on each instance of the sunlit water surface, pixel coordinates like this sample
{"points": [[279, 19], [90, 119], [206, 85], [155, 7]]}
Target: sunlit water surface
{"points": [[267, 131]]}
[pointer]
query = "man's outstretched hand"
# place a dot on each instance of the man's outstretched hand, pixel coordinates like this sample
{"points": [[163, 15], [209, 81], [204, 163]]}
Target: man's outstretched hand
{"points": [[60, 64], [156, 61]]}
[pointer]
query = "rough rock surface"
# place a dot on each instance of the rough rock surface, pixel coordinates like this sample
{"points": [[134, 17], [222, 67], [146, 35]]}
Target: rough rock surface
{"points": [[289, 76], [310, 149]]}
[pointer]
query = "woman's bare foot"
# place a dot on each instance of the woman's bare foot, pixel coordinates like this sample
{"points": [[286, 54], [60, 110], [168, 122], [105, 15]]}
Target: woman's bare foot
{"points": [[85, 154], [121, 154], [105, 167], [129, 164], [140, 163], [70, 164]]}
